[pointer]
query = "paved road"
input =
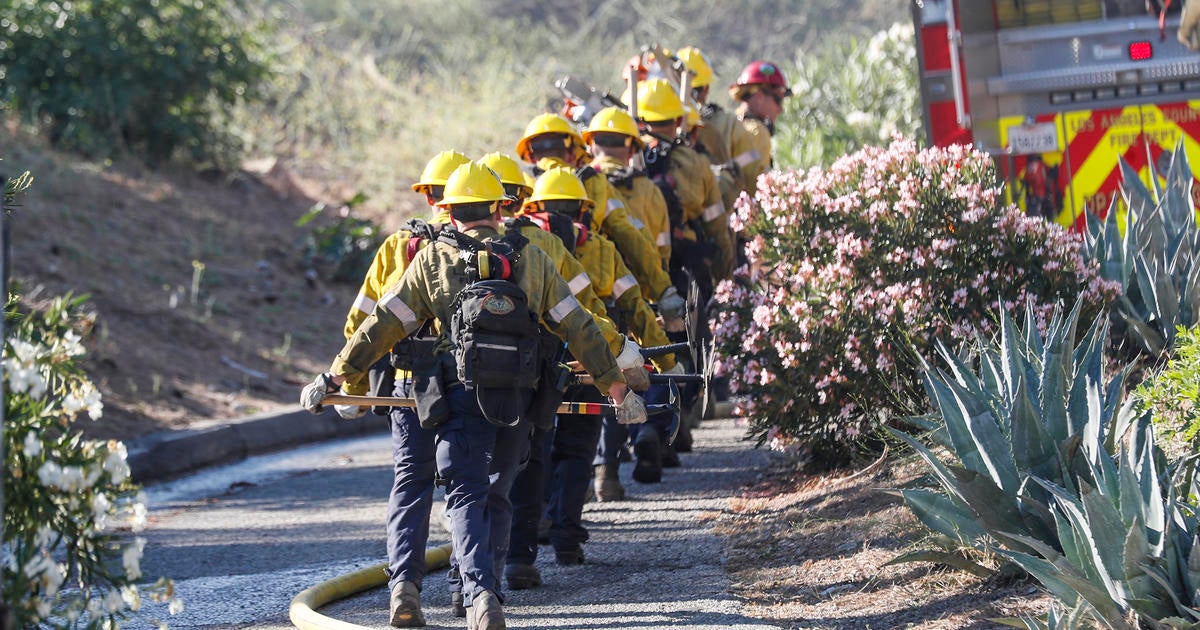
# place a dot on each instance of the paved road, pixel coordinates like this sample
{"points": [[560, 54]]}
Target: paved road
{"points": [[242, 540]]}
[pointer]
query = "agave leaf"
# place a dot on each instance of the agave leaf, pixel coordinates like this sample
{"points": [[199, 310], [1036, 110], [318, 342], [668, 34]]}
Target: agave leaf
{"points": [[1090, 554], [1133, 506], [962, 372], [1013, 363], [1068, 586], [1114, 265], [1034, 343], [1033, 449], [977, 439], [996, 509], [1154, 574], [1193, 570], [1143, 333], [1150, 491], [1135, 554], [940, 471], [948, 558], [941, 514], [934, 428], [1108, 532], [1137, 199]]}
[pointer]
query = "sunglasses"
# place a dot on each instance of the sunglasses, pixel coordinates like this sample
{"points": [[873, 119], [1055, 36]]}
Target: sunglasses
{"points": [[611, 140]]}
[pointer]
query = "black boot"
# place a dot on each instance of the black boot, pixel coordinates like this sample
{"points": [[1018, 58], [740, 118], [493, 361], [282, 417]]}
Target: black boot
{"points": [[648, 452]]}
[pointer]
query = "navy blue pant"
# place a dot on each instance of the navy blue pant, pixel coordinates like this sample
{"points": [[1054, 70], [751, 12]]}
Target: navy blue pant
{"points": [[478, 462], [571, 455], [528, 496], [411, 497]]}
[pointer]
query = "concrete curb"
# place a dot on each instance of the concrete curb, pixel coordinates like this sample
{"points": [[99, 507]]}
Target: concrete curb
{"points": [[168, 454]]}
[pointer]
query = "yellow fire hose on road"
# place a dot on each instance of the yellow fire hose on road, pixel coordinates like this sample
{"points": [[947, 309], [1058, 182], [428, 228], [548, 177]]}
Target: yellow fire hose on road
{"points": [[303, 610]]}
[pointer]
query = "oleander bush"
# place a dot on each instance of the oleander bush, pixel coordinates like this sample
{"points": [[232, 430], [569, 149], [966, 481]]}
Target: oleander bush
{"points": [[70, 555], [857, 270]]}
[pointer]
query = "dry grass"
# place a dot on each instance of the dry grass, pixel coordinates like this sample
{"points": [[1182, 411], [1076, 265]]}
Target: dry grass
{"points": [[810, 552]]}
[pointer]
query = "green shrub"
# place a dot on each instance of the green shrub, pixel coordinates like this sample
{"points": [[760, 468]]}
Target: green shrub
{"points": [[154, 77], [848, 96], [888, 249], [1172, 395], [344, 249]]}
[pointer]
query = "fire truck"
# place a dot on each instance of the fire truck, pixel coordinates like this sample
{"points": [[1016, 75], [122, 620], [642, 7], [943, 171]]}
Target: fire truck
{"points": [[1058, 92]]}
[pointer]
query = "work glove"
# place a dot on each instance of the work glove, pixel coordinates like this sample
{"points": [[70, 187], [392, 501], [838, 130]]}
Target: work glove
{"points": [[631, 355], [350, 412], [637, 378], [316, 391], [670, 306], [1189, 23], [632, 410]]}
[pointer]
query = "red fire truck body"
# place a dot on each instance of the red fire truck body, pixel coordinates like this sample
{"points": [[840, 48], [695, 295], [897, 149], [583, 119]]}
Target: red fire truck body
{"points": [[1058, 91]]}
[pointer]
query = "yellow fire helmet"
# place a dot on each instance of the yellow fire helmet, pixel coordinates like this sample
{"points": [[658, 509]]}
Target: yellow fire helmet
{"points": [[693, 116], [438, 170], [697, 64], [547, 124], [558, 183], [507, 168], [613, 120], [657, 101], [472, 182]]}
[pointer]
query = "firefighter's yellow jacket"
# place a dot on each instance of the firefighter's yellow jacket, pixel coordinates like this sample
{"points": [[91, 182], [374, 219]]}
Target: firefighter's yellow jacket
{"points": [[427, 290], [696, 188], [578, 280], [758, 157], [615, 284], [610, 218], [644, 203]]}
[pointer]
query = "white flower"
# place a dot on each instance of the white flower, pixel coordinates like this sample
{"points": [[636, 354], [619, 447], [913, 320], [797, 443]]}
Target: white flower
{"points": [[131, 559], [115, 464], [101, 507], [42, 608], [85, 396], [137, 520], [176, 606], [45, 536], [70, 344], [131, 596], [113, 601], [33, 445], [50, 474]]}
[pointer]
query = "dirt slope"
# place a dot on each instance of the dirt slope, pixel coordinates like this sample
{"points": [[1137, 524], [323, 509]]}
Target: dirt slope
{"points": [[205, 308]]}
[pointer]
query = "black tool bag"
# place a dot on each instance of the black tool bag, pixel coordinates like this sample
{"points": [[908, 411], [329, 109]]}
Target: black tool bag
{"points": [[494, 335]]}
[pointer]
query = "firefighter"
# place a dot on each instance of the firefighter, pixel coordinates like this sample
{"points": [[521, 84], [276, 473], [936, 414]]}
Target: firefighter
{"points": [[612, 138], [728, 144], [528, 491], [688, 185], [759, 92], [477, 458], [557, 195], [411, 496], [550, 141]]}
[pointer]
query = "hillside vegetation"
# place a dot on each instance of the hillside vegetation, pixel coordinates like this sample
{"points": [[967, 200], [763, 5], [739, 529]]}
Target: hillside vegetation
{"points": [[206, 307]]}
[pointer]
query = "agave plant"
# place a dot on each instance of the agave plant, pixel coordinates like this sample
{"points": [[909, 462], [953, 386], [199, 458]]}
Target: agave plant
{"points": [[1038, 407], [1154, 254], [1033, 428]]}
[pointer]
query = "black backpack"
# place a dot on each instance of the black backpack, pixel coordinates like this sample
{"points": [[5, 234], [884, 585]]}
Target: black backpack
{"points": [[494, 334]]}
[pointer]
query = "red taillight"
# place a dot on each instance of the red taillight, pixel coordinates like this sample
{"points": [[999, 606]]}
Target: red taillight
{"points": [[1140, 51]]}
